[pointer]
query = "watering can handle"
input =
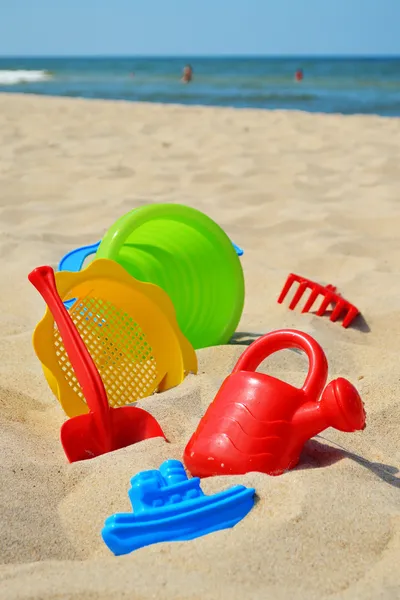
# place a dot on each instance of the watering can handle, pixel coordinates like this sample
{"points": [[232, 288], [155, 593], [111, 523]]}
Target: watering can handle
{"points": [[289, 338]]}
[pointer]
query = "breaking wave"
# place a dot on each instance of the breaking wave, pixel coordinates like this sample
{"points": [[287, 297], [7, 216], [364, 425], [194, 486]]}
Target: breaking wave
{"points": [[20, 76]]}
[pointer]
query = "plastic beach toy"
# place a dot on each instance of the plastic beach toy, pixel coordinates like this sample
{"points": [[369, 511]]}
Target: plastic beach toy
{"points": [[239, 251], [330, 296], [103, 429], [260, 423], [73, 261], [190, 257], [170, 507], [129, 329]]}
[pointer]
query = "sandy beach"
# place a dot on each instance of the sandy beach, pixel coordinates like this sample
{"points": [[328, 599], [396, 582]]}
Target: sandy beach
{"points": [[316, 195]]}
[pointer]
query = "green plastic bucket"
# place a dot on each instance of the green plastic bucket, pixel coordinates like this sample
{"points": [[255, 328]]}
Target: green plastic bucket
{"points": [[190, 257]]}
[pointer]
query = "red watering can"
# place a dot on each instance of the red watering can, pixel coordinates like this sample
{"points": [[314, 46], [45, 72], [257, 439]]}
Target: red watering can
{"points": [[259, 423]]}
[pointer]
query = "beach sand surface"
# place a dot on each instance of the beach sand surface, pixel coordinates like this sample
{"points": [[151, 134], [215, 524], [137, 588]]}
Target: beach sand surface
{"points": [[316, 195]]}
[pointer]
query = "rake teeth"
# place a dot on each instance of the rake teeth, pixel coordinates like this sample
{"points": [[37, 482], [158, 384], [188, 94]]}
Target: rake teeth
{"points": [[288, 284], [300, 291], [329, 294], [351, 315], [329, 297], [311, 299], [340, 306]]}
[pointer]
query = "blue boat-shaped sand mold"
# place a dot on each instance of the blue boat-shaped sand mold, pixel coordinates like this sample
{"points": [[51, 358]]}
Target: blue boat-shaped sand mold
{"points": [[170, 507]]}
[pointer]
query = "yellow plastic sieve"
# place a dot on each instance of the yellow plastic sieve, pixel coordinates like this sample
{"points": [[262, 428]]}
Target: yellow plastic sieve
{"points": [[130, 330]]}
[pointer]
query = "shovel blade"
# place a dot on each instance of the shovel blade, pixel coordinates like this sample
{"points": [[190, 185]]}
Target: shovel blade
{"points": [[129, 424], [80, 439]]}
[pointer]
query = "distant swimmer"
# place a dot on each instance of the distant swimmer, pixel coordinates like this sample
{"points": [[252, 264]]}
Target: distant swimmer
{"points": [[299, 75], [187, 74]]}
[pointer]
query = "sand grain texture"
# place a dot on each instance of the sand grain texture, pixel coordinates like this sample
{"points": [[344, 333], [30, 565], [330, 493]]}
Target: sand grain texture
{"points": [[316, 195]]}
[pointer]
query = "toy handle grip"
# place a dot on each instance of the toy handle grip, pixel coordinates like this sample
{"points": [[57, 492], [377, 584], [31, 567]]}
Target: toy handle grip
{"points": [[289, 338], [42, 278], [74, 260]]}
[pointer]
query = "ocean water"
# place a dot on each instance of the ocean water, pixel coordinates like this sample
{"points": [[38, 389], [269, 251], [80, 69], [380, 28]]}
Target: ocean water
{"points": [[330, 85]]}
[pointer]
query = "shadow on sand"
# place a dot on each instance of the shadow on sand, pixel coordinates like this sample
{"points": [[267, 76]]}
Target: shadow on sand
{"points": [[244, 338], [316, 455], [359, 323]]}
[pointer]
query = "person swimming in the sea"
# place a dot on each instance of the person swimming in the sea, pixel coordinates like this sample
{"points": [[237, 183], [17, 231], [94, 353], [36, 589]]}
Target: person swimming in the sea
{"points": [[187, 74], [299, 75]]}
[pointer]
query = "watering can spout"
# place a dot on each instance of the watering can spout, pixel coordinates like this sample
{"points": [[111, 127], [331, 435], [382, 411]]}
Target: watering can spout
{"points": [[340, 407], [308, 421]]}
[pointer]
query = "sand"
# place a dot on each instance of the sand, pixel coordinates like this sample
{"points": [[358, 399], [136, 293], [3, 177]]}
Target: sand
{"points": [[311, 194]]}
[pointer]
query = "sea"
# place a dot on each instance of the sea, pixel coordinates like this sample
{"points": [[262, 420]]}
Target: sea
{"points": [[330, 85]]}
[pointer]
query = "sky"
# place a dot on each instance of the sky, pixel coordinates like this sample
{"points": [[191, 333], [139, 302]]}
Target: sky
{"points": [[199, 27]]}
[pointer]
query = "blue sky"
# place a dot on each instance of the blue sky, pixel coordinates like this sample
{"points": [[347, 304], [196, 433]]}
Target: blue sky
{"points": [[199, 27]]}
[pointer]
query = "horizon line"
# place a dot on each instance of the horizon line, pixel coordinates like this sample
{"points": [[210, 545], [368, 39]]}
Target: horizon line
{"points": [[201, 56]]}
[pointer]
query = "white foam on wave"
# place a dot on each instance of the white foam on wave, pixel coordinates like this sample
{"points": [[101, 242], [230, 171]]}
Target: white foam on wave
{"points": [[20, 76]]}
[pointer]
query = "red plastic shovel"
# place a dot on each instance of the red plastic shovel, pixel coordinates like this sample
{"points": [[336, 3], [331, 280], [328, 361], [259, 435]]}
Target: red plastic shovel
{"points": [[103, 429]]}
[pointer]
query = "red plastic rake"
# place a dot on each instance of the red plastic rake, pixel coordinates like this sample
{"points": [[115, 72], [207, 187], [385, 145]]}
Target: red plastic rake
{"points": [[330, 296]]}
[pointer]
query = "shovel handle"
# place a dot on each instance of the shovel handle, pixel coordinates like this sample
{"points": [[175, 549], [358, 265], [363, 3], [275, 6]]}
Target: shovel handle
{"points": [[42, 278]]}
